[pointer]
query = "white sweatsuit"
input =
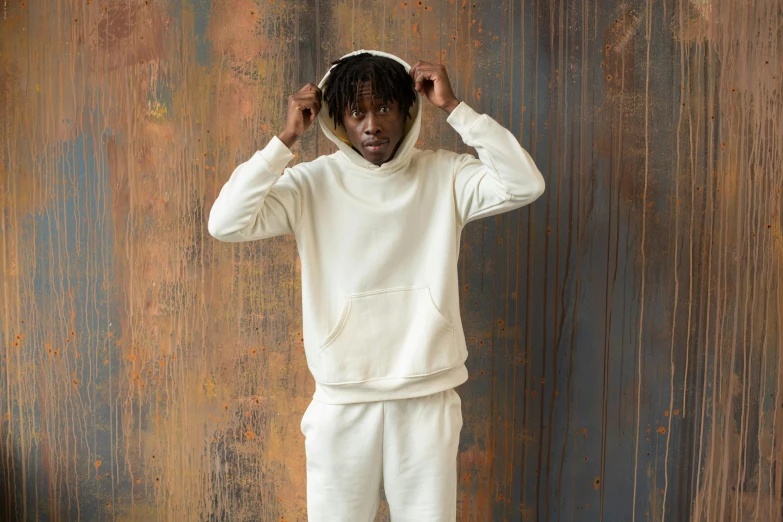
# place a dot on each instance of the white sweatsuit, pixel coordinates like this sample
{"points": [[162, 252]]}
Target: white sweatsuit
{"points": [[379, 247]]}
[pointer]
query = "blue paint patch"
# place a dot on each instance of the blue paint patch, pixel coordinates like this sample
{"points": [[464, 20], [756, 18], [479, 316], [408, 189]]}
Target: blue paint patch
{"points": [[201, 10], [74, 272]]}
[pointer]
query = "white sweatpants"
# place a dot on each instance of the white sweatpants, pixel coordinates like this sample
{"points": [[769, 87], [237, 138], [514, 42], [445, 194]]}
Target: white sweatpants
{"points": [[408, 445]]}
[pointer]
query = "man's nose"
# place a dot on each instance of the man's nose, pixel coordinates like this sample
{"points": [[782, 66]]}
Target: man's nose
{"points": [[372, 126]]}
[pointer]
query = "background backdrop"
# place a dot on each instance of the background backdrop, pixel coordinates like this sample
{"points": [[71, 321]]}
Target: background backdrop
{"points": [[624, 330]]}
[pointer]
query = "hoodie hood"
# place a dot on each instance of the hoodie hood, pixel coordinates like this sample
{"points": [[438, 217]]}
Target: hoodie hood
{"points": [[340, 137]]}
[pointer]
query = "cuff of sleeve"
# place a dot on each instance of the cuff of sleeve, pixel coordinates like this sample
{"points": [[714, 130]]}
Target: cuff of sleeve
{"points": [[276, 154], [463, 117]]}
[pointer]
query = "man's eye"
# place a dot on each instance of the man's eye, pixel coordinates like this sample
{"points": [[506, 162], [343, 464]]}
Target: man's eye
{"points": [[388, 109], [355, 114]]}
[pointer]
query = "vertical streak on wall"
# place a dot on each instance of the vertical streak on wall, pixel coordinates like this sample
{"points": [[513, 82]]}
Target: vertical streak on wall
{"points": [[741, 459]]}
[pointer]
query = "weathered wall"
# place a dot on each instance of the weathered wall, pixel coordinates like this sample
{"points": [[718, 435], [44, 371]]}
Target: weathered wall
{"points": [[624, 330]]}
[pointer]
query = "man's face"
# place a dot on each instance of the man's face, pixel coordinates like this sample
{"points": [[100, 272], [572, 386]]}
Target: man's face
{"points": [[375, 128]]}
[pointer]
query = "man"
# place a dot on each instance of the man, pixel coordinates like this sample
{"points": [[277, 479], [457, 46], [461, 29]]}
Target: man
{"points": [[378, 226]]}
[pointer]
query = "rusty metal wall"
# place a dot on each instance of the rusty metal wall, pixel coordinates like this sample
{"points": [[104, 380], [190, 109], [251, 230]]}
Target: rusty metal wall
{"points": [[624, 330]]}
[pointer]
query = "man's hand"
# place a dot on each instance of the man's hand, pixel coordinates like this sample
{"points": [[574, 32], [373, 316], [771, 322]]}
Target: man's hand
{"points": [[303, 107], [432, 81]]}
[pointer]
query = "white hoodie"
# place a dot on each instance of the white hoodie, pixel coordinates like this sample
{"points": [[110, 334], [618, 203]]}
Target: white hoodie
{"points": [[379, 247]]}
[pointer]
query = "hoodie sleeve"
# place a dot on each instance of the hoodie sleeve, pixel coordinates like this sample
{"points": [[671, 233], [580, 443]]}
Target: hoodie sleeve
{"points": [[503, 178], [259, 200]]}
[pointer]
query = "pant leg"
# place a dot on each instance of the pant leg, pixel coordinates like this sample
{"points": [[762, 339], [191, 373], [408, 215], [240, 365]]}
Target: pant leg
{"points": [[343, 446], [420, 444]]}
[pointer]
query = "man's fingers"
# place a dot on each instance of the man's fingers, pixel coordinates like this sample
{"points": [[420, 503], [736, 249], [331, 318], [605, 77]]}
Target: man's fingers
{"points": [[309, 97], [419, 78], [308, 92], [309, 104], [313, 104], [306, 102]]}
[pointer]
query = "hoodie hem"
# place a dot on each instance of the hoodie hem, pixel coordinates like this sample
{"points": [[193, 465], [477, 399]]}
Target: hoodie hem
{"points": [[391, 389]]}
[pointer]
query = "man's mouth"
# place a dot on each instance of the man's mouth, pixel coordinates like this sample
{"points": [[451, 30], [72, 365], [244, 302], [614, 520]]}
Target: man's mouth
{"points": [[375, 145]]}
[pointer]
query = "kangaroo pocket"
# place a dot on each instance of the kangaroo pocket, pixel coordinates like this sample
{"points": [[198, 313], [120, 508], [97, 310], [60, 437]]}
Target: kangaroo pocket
{"points": [[396, 332]]}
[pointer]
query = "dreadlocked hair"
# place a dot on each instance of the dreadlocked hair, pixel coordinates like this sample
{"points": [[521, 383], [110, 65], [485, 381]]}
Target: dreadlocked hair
{"points": [[390, 81]]}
